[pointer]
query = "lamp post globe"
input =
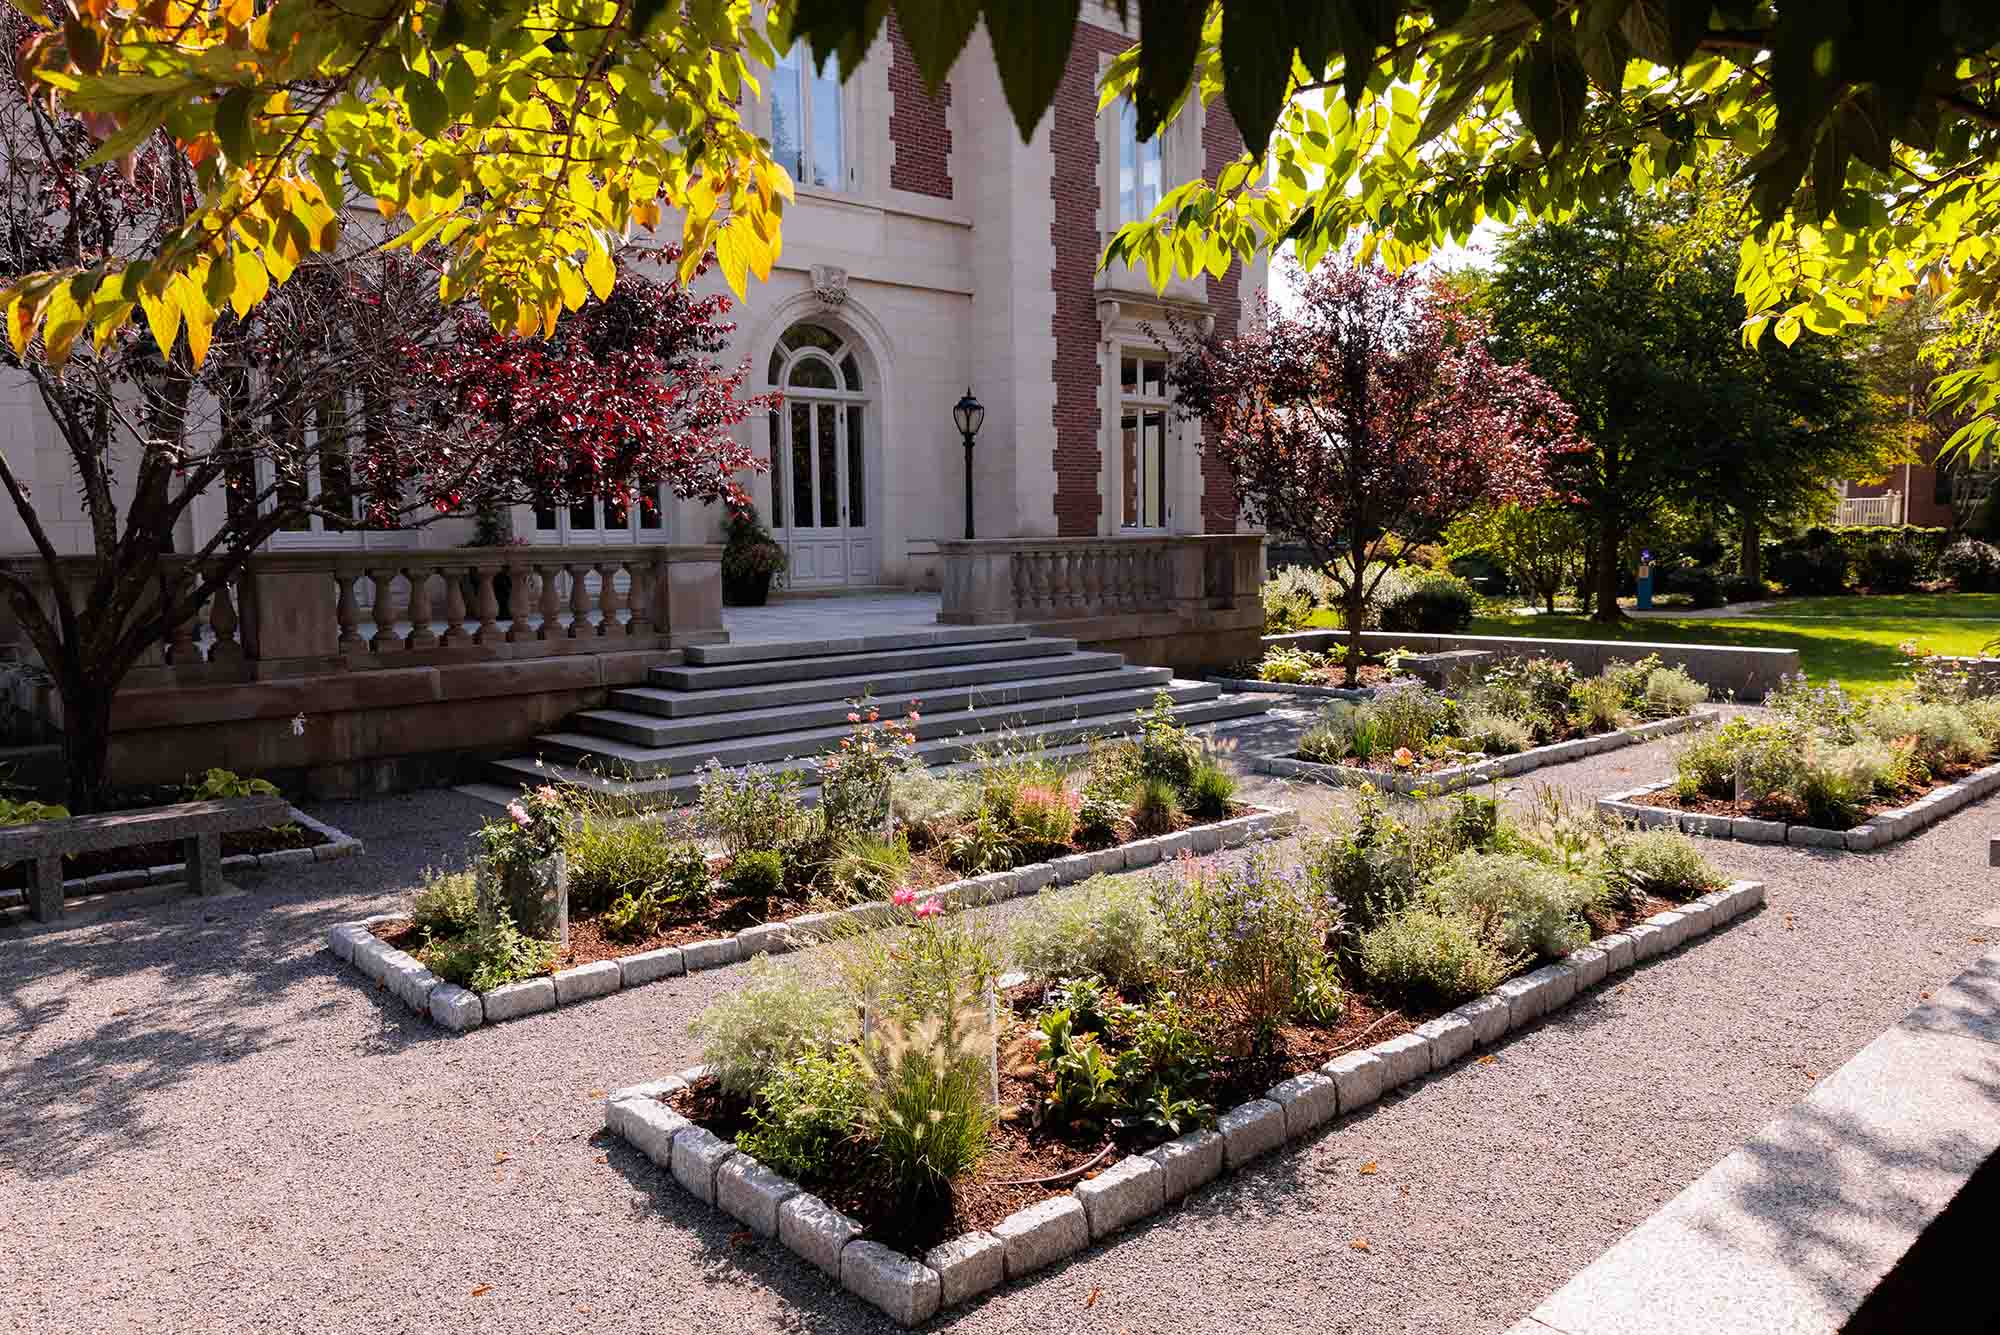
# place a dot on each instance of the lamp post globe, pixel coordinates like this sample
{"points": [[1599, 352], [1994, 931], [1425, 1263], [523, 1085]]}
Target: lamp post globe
{"points": [[968, 415]]}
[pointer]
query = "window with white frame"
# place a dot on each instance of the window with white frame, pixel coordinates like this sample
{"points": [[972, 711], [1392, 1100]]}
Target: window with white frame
{"points": [[1141, 167], [639, 516], [1145, 429], [808, 130], [320, 436]]}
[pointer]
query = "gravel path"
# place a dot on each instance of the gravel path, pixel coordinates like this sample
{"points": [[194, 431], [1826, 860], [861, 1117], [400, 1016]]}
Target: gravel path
{"points": [[205, 1124]]}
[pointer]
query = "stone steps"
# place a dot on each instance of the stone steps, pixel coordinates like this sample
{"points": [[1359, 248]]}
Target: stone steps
{"points": [[754, 651], [667, 702], [759, 672], [643, 727], [1066, 737]]}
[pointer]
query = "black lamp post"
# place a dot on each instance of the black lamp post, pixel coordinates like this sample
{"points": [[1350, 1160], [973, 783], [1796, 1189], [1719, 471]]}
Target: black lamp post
{"points": [[969, 415]]}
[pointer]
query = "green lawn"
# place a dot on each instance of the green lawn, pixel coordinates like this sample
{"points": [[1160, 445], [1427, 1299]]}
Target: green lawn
{"points": [[1851, 639]]}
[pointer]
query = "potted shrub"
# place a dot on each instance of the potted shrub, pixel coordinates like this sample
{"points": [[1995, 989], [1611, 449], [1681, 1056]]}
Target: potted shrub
{"points": [[521, 866], [750, 557]]}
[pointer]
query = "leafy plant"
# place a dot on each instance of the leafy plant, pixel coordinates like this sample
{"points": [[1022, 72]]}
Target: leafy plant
{"points": [[536, 827], [24, 812], [1434, 603], [1156, 807], [854, 780], [807, 1112], [1522, 906], [929, 804], [219, 783], [1103, 928], [748, 549], [1430, 957], [1211, 790], [638, 859], [1083, 1083], [492, 954], [1494, 733], [1283, 664], [1044, 815], [772, 1018], [1599, 704], [1663, 863], [756, 873], [1331, 737], [1670, 692], [635, 916], [1167, 752], [749, 808], [446, 904], [981, 845], [1370, 867]]}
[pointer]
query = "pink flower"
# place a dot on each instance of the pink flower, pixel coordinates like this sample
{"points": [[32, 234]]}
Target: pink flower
{"points": [[928, 909], [518, 812], [903, 898], [1404, 757]]}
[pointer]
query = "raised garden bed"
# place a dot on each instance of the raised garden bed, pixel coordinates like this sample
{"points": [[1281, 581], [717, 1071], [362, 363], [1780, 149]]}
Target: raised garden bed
{"points": [[1008, 1222], [1449, 777], [363, 943], [1770, 822], [135, 866]]}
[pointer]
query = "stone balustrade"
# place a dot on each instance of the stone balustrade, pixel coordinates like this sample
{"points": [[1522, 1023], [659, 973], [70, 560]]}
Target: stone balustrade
{"points": [[1173, 598], [307, 612]]}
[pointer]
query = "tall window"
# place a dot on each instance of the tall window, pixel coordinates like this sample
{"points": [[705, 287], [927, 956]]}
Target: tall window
{"points": [[1143, 412], [604, 519], [321, 437], [1139, 172], [806, 132]]}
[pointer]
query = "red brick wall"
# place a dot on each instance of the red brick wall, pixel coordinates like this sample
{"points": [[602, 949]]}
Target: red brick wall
{"points": [[1221, 144], [1075, 186], [919, 130]]}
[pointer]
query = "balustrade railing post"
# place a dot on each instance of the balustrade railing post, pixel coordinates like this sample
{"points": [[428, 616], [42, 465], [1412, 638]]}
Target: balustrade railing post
{"points": [[609, 600], [223, 622], [346, 615], [579, 601], [644, 572], [456, 633], [489, 606], [384, 640], [421, 634], [551, 604]]}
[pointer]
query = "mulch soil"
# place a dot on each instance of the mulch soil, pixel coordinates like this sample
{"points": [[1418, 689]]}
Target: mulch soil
{"points": [[1026, 1163], [1780, 807], [137, 857]]}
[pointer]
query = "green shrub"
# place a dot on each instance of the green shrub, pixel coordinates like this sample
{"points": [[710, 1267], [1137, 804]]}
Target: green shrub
{"points": [[1543, 685], [1370, 867], [867, 866], [807, 1111], [490, 955], [1286, 665], [1944, 734], [218, 783], [1663, 863], [634, 917], [749, 808], [1103, 929], [1599, 704], [1837, 781], [447, 903], [1166, 751], [1810, 567], [1211, 790], [1671, 692], [1769, 756], [1494, 733], [613, 857], [1045, 815], [1893, 566], [1972, 565], [1156, 807], [773, 1017], [1424, 957], [1523, 906], [929, 1101], [756, 873], [1432, 603], [26, 812], [929, 803], [1406, 713], [983, 844], [1331, 737]]}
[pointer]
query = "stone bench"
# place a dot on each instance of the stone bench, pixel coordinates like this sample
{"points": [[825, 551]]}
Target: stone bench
{"points": [[199, 826]]}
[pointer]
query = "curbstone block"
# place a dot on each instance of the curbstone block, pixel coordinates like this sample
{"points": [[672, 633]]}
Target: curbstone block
{"points": [[751, 1194], [1707, 826], [341, 939], [284, 857], [586, 981], [1130, 1189], [1173, 845], [1193, 1160], [1204, 839], [1647, 941], [698, 1153], [1560, 980], [1030, 880], [816, 1231], [1357, 1076], [1862, 838], [764, 938], [455, 1008], [1488, 1017], [967, 1266], [1450, 1036], [371, 954], [1673, 928], [1591, 965], [1404, 1058], [1745, 895], [1757, 831], [1647, 817], [1107, 861], [718, 952], [1811, 836], [1142, 853], [905, 1291], [411, 981], [650, 966], [1527, 1000], [1250, 1129], [651, 1089], [517, 999], [1699, 915], [1042, 1233], [1308, 1100], [1073, 867], [648, 1126], [1619, 953]]}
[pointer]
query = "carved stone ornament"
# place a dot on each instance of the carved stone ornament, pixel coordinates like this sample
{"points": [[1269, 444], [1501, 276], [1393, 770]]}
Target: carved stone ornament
{"points": [[829, 285]]}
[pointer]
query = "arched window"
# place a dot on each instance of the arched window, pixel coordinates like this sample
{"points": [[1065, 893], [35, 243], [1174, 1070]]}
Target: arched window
{"points": [[819, 454]]}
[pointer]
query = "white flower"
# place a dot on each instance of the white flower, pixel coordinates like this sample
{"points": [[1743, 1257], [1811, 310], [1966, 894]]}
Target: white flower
{"points": [[298, 725]]}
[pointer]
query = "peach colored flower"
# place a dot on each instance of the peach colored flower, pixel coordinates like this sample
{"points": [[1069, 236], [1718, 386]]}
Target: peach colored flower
{"points": [[1404, 757]]}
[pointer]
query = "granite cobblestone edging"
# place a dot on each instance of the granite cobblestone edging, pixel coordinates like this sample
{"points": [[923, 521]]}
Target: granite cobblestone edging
{"points": [[1885, 828], [1484, 771], [1305, 689], [910, 1290], [448, 1005], [340, 844]]}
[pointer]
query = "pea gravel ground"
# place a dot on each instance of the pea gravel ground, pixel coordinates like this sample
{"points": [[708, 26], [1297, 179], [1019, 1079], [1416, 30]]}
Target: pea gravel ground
{"points": [[205, 1124]]}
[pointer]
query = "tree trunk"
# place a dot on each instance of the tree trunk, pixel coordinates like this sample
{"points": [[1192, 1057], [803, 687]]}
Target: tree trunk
{"points": [[1549, 599], [86, 745], [1357, 608], [1608, 555], [1751, 556]]}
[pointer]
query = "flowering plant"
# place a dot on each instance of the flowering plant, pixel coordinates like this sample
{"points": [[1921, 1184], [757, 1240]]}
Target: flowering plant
{"points": [[1935, 679], [854, 780], [536, 826], [1828, 707]]}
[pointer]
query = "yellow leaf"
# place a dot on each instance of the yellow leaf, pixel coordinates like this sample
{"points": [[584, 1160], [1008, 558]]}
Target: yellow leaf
{"points": [[573, 293], [729, 252], [1368, 1169], [1361, 1245], [20, 325], [252, 282], [163, 317], [62, 323], [601, 273]]}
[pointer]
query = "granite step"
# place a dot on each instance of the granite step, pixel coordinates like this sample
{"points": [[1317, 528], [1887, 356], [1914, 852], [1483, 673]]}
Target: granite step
{"points": [[1068, 738], [811, 666], [644, 728], [613, 756], [712, 655], [668, 703]]}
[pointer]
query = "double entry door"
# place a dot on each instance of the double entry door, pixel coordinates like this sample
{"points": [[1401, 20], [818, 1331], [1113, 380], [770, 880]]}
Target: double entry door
{"points": [[825, 522]]}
